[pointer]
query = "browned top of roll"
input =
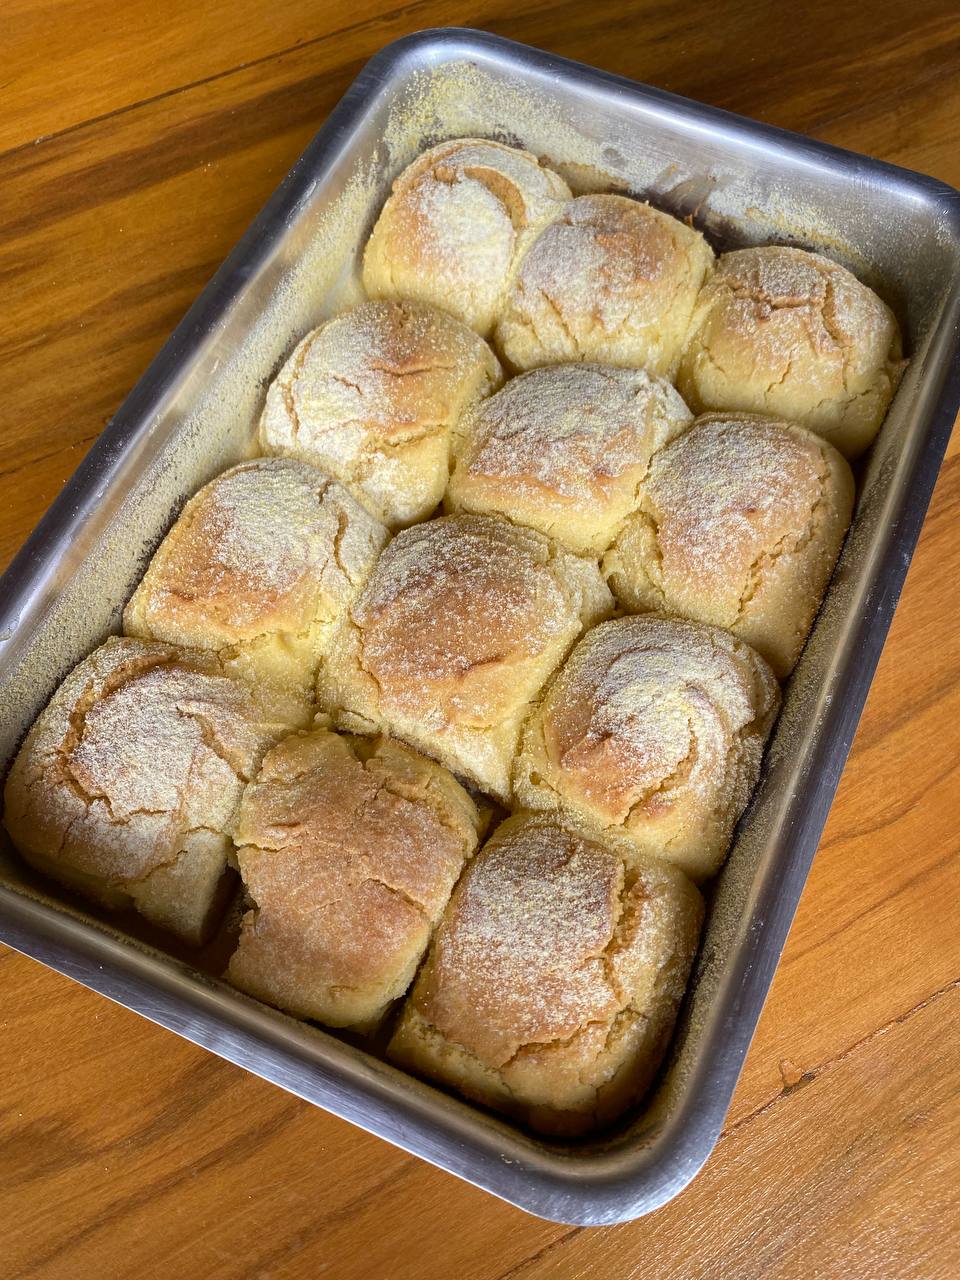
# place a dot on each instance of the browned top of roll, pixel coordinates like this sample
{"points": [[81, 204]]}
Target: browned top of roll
{"points": [[363, 395], [612, 280], [349, 849], [650, 714], [271, 545], [465, 616], [543, 940], [141, 745], [783, 331], [728, 494], [455, 224], [564, 448]]}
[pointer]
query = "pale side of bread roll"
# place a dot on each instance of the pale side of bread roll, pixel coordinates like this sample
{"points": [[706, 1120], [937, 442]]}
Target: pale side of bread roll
{"points": [[653, 730], [565, 450], [612, 280], [127, 785], [371, 397], [349, 849], [740, 523], [552, 986], [456, 225], [461, 623], [259, 566], [786, 332]]}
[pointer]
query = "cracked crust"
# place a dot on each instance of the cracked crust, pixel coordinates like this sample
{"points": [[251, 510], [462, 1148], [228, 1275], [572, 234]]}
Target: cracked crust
{"points": [[456, 225], [372, 396], [127, 785], [461, 623], [565, 450], [653, 731], [258, 568], [612, 280], [786, 332], [552, 985], [349, 850], [740, 524]]}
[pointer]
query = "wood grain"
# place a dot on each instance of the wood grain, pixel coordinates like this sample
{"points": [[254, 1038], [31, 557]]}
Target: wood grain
{"points": [[833, 1199], [126, 1152], [161, 48]]}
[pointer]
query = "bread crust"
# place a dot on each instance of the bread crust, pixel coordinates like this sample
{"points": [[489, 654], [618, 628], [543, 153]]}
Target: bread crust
{"points": [[457, 224], [127, 786], [739, 524], [552, 986], [565, 450], [781, 331], [461, 623], [258, 568], [371, 398], [611, 280], [349, 849], [652, 730]]}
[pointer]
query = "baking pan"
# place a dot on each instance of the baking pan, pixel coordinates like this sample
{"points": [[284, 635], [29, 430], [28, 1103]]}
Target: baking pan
{"points": [[192, 414]]}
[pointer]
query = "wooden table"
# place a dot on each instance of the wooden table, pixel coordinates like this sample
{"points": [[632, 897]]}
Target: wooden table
{"points": [[137, 143]]}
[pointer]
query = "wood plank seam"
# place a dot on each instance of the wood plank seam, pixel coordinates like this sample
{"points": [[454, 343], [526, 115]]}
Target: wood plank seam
{"points": [[812, 1073], [399, 12], [548, 1248], [917, 84], [552, 1246]]}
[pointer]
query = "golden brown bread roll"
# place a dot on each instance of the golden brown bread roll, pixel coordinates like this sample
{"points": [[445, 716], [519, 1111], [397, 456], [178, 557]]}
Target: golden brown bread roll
{"points": [[740, 523], [552, 985], [258, 567], [349, 849], [653, 729], [564, 450], [786, 332], [612, 280], [460, 624], [371, 397], [457, 223], [128, 782]]}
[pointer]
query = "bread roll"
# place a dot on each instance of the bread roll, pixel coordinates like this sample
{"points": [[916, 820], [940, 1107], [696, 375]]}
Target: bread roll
{"points": [[653, 729], [552, 985], [457, 223], [564, 450], [740, 524], [611, 280], [371, 396], [459, 626], [258, 567], [349, 850], [786, 332], [127, 785]]}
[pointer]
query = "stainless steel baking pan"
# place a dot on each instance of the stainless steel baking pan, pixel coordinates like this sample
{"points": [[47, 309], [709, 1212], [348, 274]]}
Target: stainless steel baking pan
{"points": [[192, 414]]}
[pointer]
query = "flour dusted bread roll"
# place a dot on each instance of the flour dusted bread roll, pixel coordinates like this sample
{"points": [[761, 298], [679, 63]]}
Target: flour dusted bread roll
{"points": [[128, 783], [564, 449], [653, 730], [611, 280], [740, 524], [371, 397], [552, 985], [349, 849], [457, 223], [258, 567], [459, 626], [786, 332]]}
